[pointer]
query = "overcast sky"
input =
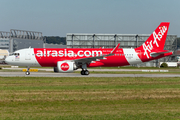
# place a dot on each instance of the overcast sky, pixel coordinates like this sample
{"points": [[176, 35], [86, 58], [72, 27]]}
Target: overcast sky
{"points": [[58, 17]]}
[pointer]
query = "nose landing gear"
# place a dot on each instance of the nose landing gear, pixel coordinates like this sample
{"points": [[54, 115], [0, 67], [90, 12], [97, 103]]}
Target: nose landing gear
{"points": [[27, 72]]}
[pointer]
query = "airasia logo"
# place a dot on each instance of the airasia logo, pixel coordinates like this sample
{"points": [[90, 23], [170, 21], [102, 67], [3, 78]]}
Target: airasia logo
{"points": [[67, 53], [148, 47], [64, 66]]}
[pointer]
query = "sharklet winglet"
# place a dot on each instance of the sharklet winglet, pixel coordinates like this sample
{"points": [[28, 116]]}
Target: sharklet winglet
{"points": [[115, 49]]}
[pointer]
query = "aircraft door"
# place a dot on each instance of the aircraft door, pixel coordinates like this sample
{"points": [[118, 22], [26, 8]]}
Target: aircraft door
{"points": [[28, 55], [138, 54]]}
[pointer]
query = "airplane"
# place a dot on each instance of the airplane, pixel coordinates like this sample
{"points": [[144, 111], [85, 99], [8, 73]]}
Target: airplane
{"points": [[70, 59]]}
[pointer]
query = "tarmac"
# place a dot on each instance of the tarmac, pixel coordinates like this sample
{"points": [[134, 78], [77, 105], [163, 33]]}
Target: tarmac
{"points": [[47, 74], [51, 69]]}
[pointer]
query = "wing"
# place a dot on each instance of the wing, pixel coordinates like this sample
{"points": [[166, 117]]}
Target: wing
{"points": [[89, 59]]}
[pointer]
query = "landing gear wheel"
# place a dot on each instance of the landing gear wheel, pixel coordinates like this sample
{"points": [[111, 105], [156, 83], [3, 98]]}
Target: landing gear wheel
{"points": [[84, 69], [82, 72], [86, 72], [27, 73]]}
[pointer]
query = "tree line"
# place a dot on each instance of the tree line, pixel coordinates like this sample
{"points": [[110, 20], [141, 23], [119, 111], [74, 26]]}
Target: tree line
{"points": [[178, 43], [55, 40]]}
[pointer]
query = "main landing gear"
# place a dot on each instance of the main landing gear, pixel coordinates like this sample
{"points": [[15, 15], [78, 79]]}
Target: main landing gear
{"points": [[84, 70], [27, 72]]}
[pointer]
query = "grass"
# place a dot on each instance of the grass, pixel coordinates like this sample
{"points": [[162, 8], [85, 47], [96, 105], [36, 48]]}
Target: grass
{"points": [[89, 98]]}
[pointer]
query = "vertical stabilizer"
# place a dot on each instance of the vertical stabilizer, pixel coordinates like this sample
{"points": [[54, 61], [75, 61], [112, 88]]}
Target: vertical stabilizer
{"points": [[156, 41]]}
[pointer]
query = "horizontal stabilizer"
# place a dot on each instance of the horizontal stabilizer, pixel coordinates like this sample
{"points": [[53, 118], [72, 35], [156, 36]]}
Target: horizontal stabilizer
{"points": [[155, 54]]}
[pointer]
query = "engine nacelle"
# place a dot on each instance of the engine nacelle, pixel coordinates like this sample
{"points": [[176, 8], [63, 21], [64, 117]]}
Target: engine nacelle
{"points": [[64, 66]]}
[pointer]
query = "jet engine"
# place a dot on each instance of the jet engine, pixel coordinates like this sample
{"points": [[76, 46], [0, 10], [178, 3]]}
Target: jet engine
{"points": [[64, 66]]}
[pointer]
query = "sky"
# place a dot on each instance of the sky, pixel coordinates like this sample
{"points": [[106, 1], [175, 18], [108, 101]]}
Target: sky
{"points": [[59, 17]]}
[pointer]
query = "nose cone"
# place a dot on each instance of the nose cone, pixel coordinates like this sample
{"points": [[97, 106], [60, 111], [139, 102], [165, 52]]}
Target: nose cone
{"points": [[7, 60]]}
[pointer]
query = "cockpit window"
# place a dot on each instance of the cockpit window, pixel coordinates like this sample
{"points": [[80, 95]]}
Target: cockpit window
{"points": [[16, 54]]}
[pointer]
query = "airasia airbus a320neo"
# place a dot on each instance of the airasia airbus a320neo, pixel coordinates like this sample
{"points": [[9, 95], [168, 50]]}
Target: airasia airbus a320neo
{"points": [[70, 59]]}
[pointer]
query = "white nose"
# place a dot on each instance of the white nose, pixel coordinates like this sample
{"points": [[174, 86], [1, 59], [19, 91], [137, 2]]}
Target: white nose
{"points": [[8, 60]]}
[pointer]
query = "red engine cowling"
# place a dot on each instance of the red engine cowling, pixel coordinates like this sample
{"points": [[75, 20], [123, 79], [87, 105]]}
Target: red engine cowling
{"points": [[64, 66]]}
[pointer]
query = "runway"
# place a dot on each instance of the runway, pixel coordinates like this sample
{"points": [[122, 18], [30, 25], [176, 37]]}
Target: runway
{"points": [[47, 74]]}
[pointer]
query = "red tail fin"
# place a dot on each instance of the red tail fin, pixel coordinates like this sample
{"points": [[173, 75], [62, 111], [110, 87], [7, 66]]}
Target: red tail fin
{"points": [[156, 40]]}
